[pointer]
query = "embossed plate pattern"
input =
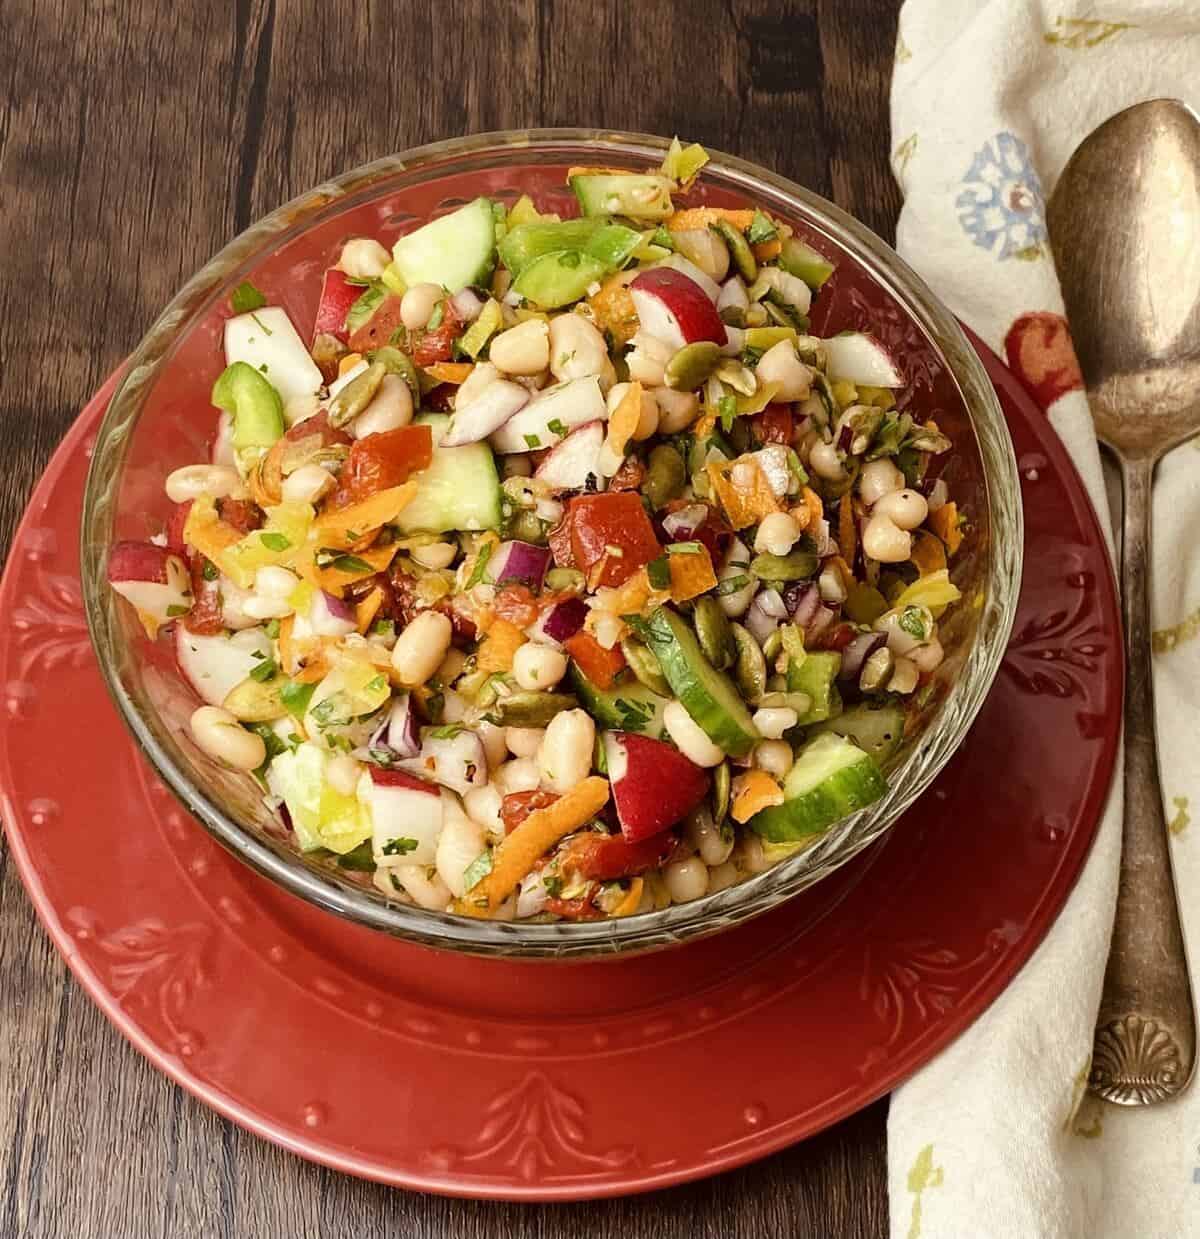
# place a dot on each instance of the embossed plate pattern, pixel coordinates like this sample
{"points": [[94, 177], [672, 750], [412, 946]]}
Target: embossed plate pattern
{"points": [[554, 1081]]}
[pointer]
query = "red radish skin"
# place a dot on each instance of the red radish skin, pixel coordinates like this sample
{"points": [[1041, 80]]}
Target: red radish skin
{"points": [[337, 296], [139, 561], [675, 309], [653, 785], [399, 778]]}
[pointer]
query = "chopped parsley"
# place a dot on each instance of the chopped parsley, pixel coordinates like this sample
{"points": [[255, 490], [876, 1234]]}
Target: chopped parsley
{"points": [[662, 237], [360, 858], [274, 541], [331, 557], [374, 685], [448, 732], [532, 441], [364, 307], [553, 884], [246, 297], [271, 628], [399, 847], [913, 623], [761, 229], [727, 408], [383, 628], [295, 697], [751, 356], [634, 715], [555, 426], [435, 319], [478, 869], [481, 563], [684, 548], [659, 572], [175, 609], [264, 671], [209, 571], [263, 326], [732, 584]]}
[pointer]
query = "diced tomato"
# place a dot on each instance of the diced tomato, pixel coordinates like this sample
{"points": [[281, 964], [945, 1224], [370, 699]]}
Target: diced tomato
{"points": [[517, 806], [438, 345], [604, 858], [337, 296], [379, 328], [601, 666], [613, 528], [516, 604], [579, 909], [559, 539], [243, 515], [318, 424], [629, 476], [381, 461], [441, 398], [204, 618], [835, 637], [175, 528], [773, 424]]}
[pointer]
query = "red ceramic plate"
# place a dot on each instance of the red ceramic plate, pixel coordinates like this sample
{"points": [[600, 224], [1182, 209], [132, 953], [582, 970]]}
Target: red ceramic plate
{"points": [[545, 1081]]}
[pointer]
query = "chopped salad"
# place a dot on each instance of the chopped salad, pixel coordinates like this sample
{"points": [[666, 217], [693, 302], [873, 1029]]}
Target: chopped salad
{"points": [[563, 573]]}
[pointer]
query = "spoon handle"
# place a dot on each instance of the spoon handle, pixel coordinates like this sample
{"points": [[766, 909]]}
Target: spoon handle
{"points": [[1146, 1031]]}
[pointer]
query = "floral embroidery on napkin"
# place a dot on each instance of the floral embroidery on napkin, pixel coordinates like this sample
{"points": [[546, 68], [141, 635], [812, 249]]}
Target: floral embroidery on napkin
{"points": [[1182, 819], [923, 1175], [1080, 33], [1001, 208], [1040, 352]]}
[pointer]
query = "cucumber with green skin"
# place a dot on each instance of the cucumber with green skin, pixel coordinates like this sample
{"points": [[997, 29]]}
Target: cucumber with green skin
{"points": [[453, 250], [877, 729], [624, 707], [816, 676], [558, 278], [708, 695], [832, 777], [599, 238], [459, 490], [805, 263], [635, 195]]}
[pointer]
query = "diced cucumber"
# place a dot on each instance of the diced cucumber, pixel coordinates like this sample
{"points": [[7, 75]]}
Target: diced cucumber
{"points": [[803, 261], [267, 340], [636, 195], [598, 238], [817, 677], [455, 250], [626, 707], [877, 729], [459, 490], [831, 778], [707, 694], [559, 278]]}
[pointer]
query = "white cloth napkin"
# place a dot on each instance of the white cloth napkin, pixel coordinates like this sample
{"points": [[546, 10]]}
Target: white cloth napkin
{"points": [[996, 1137]]}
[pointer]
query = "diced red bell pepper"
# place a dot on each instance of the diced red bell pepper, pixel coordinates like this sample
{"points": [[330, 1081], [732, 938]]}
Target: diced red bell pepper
{"points": [[579, 909], [243, 515], [603, 858], [773, 424], [430, 347], [318, 424], [378, 329], [835, 637], [559, 539], [381, 461], [613, 528], [517, 806], [601, 666], [337, 296], [204, 618]]}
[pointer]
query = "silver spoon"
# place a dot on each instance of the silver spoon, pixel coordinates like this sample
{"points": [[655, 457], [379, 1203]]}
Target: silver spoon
{"points": [[1124, 223]]}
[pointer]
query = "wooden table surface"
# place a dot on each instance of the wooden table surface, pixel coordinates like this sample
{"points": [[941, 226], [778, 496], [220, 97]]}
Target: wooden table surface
{"points": [[135, 139]]}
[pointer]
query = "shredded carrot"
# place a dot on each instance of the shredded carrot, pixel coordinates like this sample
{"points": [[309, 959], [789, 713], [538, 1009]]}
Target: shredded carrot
{"points": [[360, 518], [313, 672], [334, 580], [702, 217], [764, 251], [809, 512], [212, 537], [286, 648], [367, 609], [625, 418], [632, 901], [744, 503], [518, 852], [455, 372], [612, 307], [943, 522], [349, 362], [753, 791], [691, 574], [847, 529], [928, 552], [496, 651]]}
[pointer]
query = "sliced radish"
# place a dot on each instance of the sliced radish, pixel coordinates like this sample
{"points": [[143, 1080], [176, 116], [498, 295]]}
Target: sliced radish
{"points": [[151, 578], [406, 817], [551, 414], [266, 340], [221, 452], [338, 294], [674, 308], [653, 784], [860, 358], [215, 665], [677, 262], [489, 411], [574, 460]]}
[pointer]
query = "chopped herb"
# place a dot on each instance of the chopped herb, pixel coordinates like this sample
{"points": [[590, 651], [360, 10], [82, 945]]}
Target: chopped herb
{"points": [[264, 671], [262, 325], [399, 847], [209, 571], [553, 884], [684, 548], [435, 703], [245, 297], [633, 716], [751, 356], [563, 359], [446, 733], [662, 237], [273, 743], [274, 541], [761, 229], [727, 408], [364, 307], [381, 757], [271, 628], [481, 563], [732, 584], [374, 685], [295, 697], [532, 441], [264, 368], [176, 609], [383, 628], [361, 858], [913, 623], [435, 319], [478, 869], [659, 572], [339, 561], [798, 470], [322, 712], [555, 426]]}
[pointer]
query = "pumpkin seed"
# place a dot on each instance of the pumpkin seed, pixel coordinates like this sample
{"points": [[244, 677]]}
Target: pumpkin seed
{"points": [[692, 365], [644, 666], [772, 645], [876, 670], [356, 395], [740, 378], [722, 782], [665, 476], [398, 363], [794, 566], [563, 579], [254, 701], [750, 669], [714, 633], [739, 249], [532, 709]]}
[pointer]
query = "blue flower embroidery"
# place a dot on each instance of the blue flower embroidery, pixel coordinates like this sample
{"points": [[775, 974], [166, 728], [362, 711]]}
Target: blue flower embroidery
{"points": [[1001, 208]]}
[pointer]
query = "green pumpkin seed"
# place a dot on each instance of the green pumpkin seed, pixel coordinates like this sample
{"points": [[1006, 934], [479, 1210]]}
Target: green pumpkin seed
{"points": [[864, 604], [692, 365], [253, 701], [714, 633], [356, 395], [665, 476], [721, 785], [739, 249], [532, 709], [772, 645], [398, 363], [645, 666], [750, 669], [876, 670], [777, 684], [740, 378], [524, 526], [795, 566], [559, 580]]}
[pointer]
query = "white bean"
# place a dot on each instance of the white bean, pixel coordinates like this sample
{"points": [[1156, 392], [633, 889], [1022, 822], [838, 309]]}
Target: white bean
{"points": [[220, 735], [435, 554], [307, 484], [774, 756], [779, 364], [712, 842], [577, 349], [420, 648], [565, 756], [483, 806], [423, 884], [928, 657], [737, 559], [273, 581], [906, 509], [690, 738], [777, 533], [831, 586], [524, 741], [342, 773], [460, 842], [773, 721], [885, 541], [363, 258], [878, 478], [686, 879], [494, 745], [722, 876], [213, 481], [904, 676], [481, 377], [751, 858], [649, 414], [826, 463], [647, 363], [417, 304], [537, 667], [677, 410], [523, 349], [266, 608], [391, 409], [522, 774]]}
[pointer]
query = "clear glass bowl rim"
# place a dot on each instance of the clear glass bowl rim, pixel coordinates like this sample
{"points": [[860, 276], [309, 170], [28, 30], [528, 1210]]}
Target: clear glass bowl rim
{"points": [[679, 921]]}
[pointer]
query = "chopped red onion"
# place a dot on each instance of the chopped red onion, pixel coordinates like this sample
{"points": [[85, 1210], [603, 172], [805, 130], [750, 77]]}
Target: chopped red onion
{"points": [[682, 524], [330, 616], [519, 561], [467, 305], [857, 653], [403, 729], [765, 613], [845, 437], [802, 600], [561, 621]]}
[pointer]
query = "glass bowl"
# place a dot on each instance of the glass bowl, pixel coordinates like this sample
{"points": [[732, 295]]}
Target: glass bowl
{"points": [[160, 418]]}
